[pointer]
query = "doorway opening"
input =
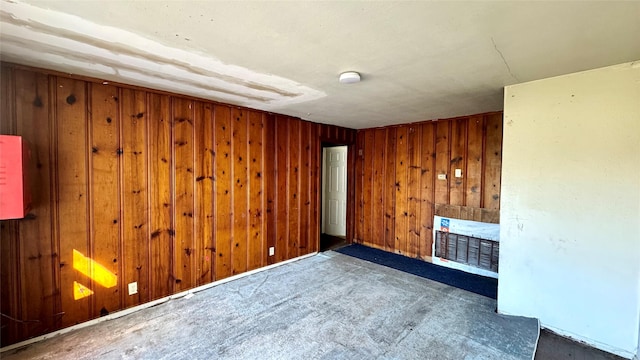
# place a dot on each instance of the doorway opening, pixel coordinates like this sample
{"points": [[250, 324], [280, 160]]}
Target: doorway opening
{"points": [[333, 232]]}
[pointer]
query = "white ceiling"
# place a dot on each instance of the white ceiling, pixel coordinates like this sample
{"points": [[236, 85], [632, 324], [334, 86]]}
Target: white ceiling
{"points": [[418, 60]]}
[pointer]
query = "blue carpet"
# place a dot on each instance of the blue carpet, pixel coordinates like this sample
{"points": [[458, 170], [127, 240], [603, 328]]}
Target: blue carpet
{"points": [[481, 285]]}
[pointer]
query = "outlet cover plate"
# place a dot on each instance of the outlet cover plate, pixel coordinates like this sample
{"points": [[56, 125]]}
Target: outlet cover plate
{"points": [[133, 288]]}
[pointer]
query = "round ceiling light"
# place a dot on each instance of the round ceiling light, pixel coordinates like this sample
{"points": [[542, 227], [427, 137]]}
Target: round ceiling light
{"points": [[349, 77]]}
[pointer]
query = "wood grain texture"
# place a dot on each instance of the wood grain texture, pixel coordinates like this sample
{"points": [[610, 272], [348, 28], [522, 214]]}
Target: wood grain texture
{"points": [[377, 190], [73, 195], [402, 179], [104, 172], [442, 150], [270, 187], [493, 161], [38, 257], [304, 192], [163, 190], [204, 193], [315, 147], [359, 182], [183, 168], [389, 190], [414, 193], [402, 188], [293, 196], [283, 187], [240, 190], [458, 161], [223, 184], [257, 225], [135, 196], [427, 189], [474, 161], [367, 183], [160, 196], [468, 213], [10, 297]]}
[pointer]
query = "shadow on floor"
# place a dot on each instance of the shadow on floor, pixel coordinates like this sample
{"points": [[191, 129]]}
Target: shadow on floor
{"points": [[552, 346], [329, 242]]}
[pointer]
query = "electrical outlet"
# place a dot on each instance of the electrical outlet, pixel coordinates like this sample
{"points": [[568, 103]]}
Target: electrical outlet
{"points": [[272, 251], [458, 173], [442, 176], [133, 288]]}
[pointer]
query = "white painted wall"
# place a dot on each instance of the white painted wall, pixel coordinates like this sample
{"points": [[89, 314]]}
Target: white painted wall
{"points": [[570, 206], [638, 351]]}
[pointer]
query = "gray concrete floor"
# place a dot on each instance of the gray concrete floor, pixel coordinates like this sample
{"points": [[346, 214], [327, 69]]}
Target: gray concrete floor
{"points": [[329, 306], [554, 347]]}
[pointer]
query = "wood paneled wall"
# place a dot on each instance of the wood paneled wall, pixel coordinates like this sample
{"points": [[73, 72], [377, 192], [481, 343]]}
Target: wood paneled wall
{"points": [[163, 190], [397, 186]]}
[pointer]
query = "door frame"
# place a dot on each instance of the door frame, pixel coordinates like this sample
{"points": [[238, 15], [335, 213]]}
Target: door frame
{"points": [[350, 212]]}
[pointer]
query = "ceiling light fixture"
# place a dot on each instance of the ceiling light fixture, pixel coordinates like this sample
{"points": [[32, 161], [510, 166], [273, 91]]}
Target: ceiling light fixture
{"points": [[349, 77]]}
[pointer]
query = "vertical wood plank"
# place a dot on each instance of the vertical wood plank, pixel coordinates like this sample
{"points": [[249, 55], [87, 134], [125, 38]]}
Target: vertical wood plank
{"points": [[359, 180], [72, 155], [282, 189], [37, 250], [304, 193], [240, 194], [414, 194], [442, 161], [105, 212], [10, 303], [474, 162], [55, 198], [493, 161], [367, 186], [256, 244], [427, 185], [294, 189], [223, 187], [402, 212], [458, 161], [204, 194], [378, 187], [7, 99], [183, 144], [269, 141], [315, 195], [135, 195], [161, 199], [9, 274], [390, 190]]}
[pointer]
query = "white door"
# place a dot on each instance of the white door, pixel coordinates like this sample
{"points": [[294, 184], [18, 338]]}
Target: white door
{"points": [[334, 209]]}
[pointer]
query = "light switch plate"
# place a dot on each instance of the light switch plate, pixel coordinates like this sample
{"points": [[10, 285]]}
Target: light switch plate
{"points": [[458, 173], [442, 176]]}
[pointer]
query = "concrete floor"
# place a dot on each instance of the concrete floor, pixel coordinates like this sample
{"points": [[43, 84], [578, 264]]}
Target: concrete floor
{"points": [[329, 306]]}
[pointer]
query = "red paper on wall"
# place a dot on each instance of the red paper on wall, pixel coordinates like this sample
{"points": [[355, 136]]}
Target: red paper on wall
{"points": [[14, 195]]}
